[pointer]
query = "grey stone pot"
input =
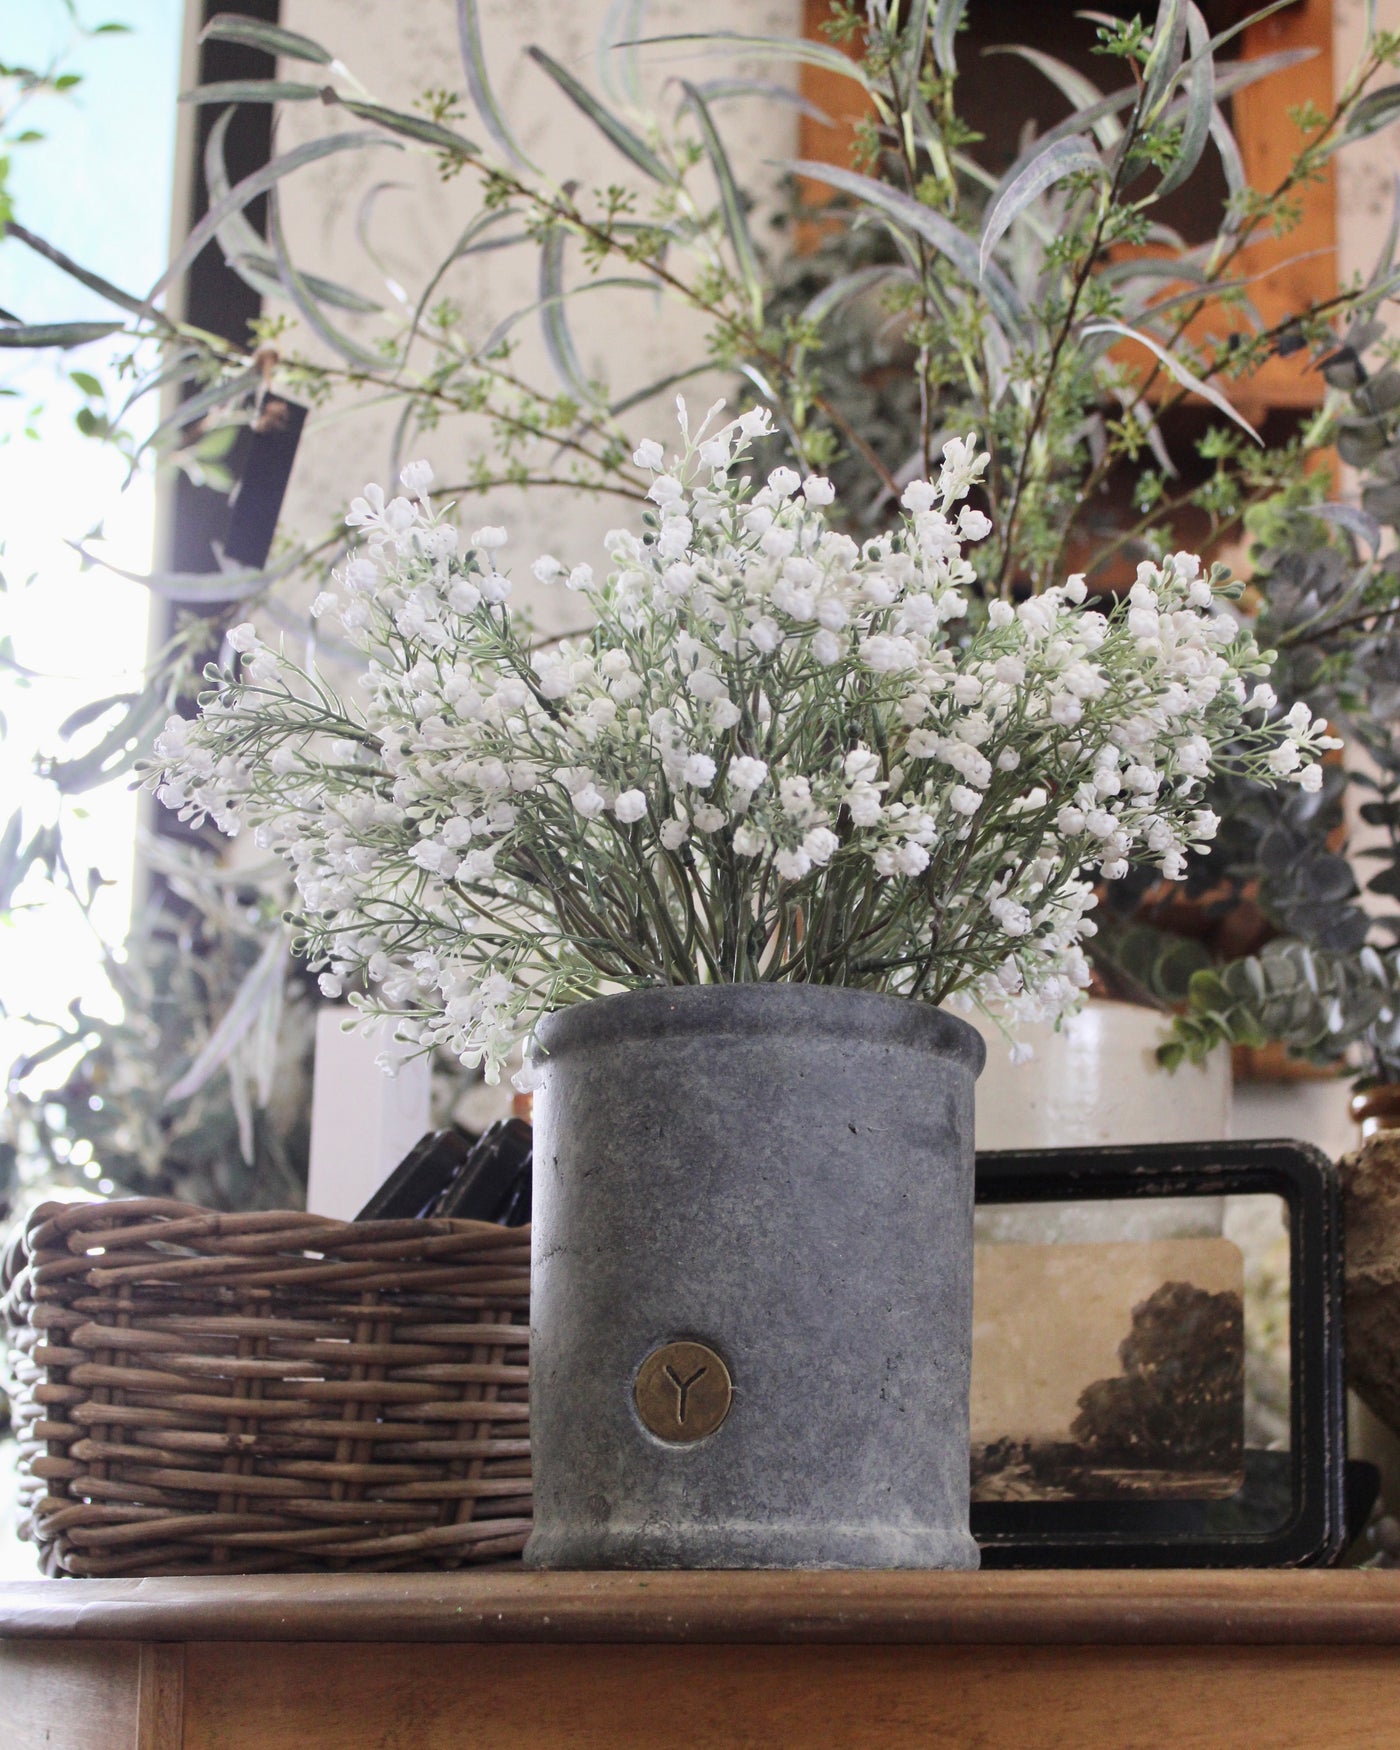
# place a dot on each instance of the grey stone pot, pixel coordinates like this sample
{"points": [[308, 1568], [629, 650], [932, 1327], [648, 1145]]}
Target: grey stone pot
{"points": [[782, 1173]]}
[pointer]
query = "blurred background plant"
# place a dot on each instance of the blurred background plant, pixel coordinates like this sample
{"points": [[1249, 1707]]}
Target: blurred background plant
{"points": [[1328, 579], [1026, 280], [201, 1089]]}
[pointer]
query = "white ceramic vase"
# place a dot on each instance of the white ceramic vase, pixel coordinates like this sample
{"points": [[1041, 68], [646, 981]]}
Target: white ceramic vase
{"points": [[1097, 1083]]}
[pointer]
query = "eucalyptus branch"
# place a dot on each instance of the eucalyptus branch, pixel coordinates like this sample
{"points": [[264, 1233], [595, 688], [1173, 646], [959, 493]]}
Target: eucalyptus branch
{"points": [[1065, 329], [1298, 172]]}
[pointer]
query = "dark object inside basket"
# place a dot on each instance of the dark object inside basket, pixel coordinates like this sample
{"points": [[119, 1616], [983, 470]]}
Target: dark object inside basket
{"points": [[449, 1174]]}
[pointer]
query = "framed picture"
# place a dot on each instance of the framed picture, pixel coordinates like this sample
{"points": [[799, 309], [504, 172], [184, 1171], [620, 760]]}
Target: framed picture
{"points": [[1157, 1357]]}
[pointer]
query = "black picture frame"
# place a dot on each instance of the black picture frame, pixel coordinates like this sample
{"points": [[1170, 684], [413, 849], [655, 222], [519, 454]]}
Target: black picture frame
{"points": [[1201, 1534]]}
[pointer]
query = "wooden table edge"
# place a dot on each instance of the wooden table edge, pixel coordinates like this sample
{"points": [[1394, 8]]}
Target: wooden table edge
{"points": [[1042, 1608]]}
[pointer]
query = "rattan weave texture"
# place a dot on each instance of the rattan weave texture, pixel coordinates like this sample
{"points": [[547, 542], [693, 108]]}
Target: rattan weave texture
{"points": [[202, 1393]]}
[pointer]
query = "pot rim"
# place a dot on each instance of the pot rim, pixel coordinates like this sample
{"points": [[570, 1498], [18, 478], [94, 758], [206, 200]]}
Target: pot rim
{"points": [[740, 1010]]}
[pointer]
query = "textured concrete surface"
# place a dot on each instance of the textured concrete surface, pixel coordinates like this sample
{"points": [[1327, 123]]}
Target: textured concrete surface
{"points": [[784, 1173]]}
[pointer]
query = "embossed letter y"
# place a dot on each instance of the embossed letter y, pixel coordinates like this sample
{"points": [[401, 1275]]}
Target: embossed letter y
{"points": [[683, 1388]]}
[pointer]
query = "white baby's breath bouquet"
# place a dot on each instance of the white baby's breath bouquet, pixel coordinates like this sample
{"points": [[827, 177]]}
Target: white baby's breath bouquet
{"points": [[779, 755]]}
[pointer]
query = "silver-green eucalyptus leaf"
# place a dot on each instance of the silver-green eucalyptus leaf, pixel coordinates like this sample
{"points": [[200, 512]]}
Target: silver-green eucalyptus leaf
{"points": [[244, 250], [272, 39], [947, 16], [850, 285], [996, 350], [559, 342], [116, 752], [175, 366], [469, 240], [630, 144], [260, 271], [1200, 103], [61, 334], [13, 865], [968, 166], [305, 303], [1231, 79], [219, 394], [267, 975], [237, 237], [721, 90], [1168, 47], [1173, 365], [1241, 25], [1241, 282], [565, 295], [240, 1099], [1152, 267], [1353, 519], [412, 127], [912, 219], [479, 86], [396, 444], [1072, 84], [1073, 156], [618, 69], [259, 182], [1377, 110], [1192, 293], [1385, 258], [736, 225], [1074, 124], [84, 276], [93, 712], [637, 396], [204, 587], [731, 42], [364, 218], [915, 38], [1169, 238], [1156, 443], [262, 1052], [252, 91], [1231, 162]]}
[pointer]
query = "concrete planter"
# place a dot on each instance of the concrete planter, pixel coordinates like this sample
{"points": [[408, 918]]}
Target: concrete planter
{"points": [[778, 1178]]}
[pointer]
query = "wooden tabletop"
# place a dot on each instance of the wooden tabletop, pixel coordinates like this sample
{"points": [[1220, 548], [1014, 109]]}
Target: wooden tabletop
{"points": [[1048, 1608]]}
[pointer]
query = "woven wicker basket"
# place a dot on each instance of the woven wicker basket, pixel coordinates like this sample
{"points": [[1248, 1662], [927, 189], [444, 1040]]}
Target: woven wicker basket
{"points": [[200, 1394]]}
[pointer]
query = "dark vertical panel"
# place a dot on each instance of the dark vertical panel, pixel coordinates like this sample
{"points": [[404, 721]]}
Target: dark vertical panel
{"points": [[216, 298]]}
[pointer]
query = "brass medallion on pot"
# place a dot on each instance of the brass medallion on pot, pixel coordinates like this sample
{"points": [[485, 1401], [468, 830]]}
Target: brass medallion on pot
{"points": [[683, 1392]]}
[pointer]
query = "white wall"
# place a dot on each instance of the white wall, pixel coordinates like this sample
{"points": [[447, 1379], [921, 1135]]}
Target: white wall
{"points": [[1366, 171]]}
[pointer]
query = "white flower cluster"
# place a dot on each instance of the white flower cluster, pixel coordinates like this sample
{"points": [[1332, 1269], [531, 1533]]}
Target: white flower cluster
{"points": [[781, 753]]}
